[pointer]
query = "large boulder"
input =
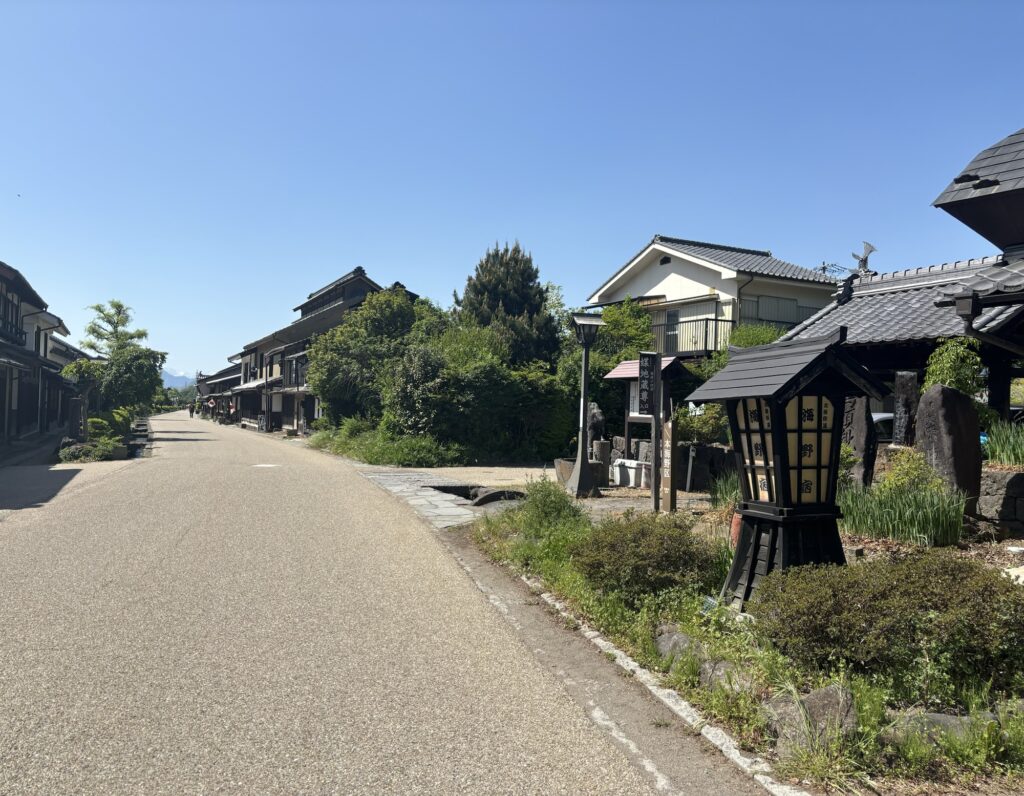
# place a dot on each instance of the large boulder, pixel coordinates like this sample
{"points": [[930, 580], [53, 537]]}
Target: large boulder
{"points": [[805, 723], [949, 437]]}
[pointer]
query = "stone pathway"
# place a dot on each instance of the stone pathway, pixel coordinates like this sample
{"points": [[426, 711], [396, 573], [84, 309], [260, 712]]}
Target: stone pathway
{"points": [[440, 509]]}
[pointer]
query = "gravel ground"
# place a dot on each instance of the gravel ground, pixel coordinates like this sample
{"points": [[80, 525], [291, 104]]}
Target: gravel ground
{"points": [[196, 623]]}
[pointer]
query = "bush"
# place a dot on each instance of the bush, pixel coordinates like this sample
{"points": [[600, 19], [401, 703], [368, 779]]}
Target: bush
{"points": [[938, 627], [706, 425], [643, 554], [911, 504], [97, 450], [99, 428], [955, 362]]}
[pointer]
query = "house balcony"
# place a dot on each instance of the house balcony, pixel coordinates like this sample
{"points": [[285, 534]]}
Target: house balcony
{"points": [[692, 338], [12, 333]]}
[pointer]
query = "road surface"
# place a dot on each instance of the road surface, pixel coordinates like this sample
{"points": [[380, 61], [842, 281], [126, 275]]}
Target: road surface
{"points": [[241, 614]]}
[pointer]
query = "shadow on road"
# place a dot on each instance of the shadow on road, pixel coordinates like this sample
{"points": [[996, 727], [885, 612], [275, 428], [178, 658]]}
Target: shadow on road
{"points": [[31, 487]]}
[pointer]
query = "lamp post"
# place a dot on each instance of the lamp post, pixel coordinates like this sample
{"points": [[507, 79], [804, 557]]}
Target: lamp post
{"points": [[581, 482]]}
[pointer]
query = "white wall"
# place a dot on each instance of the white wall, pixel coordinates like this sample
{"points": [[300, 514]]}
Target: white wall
{"points": [[677, 280]]}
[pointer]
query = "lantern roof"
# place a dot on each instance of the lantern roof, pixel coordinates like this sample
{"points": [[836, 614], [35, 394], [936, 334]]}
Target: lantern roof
{"points": [[781, 370]]}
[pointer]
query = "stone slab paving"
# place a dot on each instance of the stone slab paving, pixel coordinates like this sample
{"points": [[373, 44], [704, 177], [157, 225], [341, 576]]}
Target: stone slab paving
{"points": [[440, 509]]}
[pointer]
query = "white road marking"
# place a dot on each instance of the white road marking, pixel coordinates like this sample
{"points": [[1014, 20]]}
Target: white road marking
{"points": [[266, 465], [604, 721]]}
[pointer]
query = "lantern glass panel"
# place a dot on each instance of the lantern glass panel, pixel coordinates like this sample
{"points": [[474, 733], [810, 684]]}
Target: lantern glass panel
{"points": [[810, 421], [753, 417]]}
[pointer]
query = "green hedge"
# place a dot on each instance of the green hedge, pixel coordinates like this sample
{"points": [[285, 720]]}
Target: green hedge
{"points": [[937, 626]]}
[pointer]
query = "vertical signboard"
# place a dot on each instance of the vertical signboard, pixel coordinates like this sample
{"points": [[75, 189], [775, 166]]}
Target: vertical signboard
{"points": [[649, 363]]}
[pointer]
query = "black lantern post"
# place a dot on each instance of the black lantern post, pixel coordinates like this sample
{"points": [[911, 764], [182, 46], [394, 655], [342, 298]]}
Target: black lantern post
{"points": [[785, 407], [581, 482]]}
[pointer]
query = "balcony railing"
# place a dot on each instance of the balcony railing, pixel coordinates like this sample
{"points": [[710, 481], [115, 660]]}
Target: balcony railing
{"points": [[12, 333], [693, 337]]}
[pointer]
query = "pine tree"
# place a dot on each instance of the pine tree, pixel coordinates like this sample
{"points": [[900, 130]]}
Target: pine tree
{"points": [[109, 329], [505, 293]]}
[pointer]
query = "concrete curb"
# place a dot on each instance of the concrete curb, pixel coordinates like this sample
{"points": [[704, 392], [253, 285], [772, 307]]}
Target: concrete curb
{"points": [[754, 767]]}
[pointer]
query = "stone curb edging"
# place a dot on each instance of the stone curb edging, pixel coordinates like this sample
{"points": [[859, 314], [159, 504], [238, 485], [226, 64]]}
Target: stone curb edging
{"points": [[753, 767]]}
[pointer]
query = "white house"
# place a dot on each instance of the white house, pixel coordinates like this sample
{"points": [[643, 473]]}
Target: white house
{"points": [[696, 292]]}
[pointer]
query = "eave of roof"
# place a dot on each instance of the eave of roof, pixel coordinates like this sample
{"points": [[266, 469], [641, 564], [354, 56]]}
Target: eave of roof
{"points": [[25, 288], [756, 262], [356, 273]]}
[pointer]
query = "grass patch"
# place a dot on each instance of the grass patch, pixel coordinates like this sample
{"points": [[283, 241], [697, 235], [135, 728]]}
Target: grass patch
{"points": [[911, 504], [359, 439], [1005, 444]]}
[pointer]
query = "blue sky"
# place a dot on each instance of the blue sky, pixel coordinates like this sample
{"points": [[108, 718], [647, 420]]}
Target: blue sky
{"points": [[212, 163]]}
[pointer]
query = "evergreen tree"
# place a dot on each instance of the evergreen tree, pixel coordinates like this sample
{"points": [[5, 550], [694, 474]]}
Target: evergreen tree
{"points": [[109, 329], [505, 294]]}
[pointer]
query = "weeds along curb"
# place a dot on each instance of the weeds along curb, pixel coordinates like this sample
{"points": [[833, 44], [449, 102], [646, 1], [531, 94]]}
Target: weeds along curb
{"points": [[753, 767]]}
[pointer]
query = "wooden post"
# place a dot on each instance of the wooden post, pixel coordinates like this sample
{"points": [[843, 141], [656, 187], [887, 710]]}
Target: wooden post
{"points": [[656, 440], [669, 458]]}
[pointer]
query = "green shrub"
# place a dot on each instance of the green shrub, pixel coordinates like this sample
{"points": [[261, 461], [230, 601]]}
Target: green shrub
{"points": [[1005, 443], [748, 335], [705, 426], [322, 423], [639, 554], [101, 449], [744, 335], [911, 504], [955, 362], [938, 627], [99, 428]]}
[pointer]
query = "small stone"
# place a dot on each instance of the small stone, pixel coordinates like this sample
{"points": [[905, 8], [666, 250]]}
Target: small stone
{"points": [[726, 675], [672, 643], [1015, 550], [930, 726]]}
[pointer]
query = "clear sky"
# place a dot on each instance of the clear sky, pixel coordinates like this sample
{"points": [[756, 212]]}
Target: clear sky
{"points": [[212, 163]]}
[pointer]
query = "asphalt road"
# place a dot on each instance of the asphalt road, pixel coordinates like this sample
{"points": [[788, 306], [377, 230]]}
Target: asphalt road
{"points": [[200, 622]]}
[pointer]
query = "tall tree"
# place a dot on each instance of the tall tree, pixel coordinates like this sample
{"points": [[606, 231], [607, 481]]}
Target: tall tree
{"points": [[109, 329], [505, 293], [132, 375]]}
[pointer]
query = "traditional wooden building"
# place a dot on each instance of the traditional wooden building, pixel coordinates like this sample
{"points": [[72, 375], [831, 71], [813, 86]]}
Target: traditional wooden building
{"points": [[895, 320], [32, 391], [270, 392]]}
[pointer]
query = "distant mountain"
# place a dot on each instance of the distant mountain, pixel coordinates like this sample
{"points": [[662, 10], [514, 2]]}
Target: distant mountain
{"points": [[177, 380]]}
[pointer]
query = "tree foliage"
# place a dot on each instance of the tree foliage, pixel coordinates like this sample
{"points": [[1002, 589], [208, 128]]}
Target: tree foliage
{"points": [[744, 335], [505, 293], [109, 329], [132, 375], [956, 363], [348, 362]]}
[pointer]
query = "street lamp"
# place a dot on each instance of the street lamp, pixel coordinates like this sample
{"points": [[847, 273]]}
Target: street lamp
{"points": [[784, 402], [581, 482]]}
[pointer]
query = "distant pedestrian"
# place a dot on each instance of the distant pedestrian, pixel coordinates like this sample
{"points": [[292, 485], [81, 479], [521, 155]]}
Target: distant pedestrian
{"points": [[191, 410]]}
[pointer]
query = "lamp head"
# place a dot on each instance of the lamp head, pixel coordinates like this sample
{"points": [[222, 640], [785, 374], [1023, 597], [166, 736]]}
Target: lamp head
{"points": [[586, 326]]}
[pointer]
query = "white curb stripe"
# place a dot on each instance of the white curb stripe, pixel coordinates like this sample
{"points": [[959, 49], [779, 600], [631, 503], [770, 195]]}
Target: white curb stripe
{"points": [[754, 767]]}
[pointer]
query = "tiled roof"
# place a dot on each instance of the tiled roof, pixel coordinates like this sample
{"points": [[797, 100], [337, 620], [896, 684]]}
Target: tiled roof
{"points": [[775, 370], [900, 306], [751, 261], [998, 169], [1004, 277]]}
